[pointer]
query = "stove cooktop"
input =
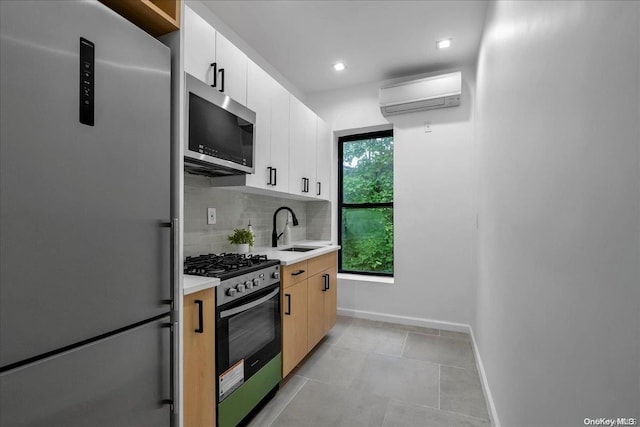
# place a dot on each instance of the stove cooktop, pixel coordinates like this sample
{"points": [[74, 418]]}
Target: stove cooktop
{"points": [[226, 265]]}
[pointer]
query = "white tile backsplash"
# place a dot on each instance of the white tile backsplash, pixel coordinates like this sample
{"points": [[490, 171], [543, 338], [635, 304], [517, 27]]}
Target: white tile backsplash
{"points": [[235, 209]]}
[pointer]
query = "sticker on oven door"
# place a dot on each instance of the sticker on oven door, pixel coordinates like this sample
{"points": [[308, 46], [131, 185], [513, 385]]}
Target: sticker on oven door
{"points": [[230, 380]]}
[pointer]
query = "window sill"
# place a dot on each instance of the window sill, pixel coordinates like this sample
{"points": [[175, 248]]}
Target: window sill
{"points": [[365, 278]]}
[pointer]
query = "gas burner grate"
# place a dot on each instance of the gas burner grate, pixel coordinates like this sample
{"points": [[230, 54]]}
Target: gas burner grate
{"points": [[216, 265]]}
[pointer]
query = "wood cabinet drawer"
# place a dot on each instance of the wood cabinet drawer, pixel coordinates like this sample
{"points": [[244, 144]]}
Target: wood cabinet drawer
{"points": [[294, 273], [321, 263]]}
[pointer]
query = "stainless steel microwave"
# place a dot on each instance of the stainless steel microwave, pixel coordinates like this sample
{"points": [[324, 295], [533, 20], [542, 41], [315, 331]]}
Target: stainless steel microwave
{"points": [[218, 132]]}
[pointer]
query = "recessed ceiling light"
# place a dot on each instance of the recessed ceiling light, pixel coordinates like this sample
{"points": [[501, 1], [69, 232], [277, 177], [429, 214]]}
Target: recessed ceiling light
{"points": [[339, 66], [443, 44]]}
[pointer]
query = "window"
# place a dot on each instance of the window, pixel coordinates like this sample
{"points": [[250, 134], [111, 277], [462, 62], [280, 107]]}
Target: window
{"points": [[365, 203]]}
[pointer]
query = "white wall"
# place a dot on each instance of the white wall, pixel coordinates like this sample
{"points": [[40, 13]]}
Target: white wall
{"points": [[433, 206], [559, 238]]}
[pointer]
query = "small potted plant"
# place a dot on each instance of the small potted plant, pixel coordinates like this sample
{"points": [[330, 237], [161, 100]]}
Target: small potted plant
{"points": [[242, 238]]}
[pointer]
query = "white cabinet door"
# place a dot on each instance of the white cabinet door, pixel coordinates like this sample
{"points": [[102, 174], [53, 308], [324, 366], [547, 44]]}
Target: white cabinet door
{"points": [[280, 128], [311, 124], [296, 146], [309, 159], [232, 70], [302, 162], [324, 162], [260, 87], [199, 46]]}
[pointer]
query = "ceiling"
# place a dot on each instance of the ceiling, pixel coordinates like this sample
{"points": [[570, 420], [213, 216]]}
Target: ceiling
{"points": [[377, 40]]}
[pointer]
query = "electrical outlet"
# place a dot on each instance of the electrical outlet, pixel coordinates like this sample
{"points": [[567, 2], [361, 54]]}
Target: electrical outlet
{"points": [[211, 216], [427, 127]]}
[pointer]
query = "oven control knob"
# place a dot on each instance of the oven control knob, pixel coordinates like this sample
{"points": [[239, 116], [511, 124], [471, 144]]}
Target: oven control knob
{"points": [[231, 292], [275, 275], [256, 282], [248, 284], [240, 288]]}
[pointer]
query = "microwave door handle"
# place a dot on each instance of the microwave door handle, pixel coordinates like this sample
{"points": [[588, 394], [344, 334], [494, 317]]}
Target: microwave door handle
{"points": [[214, 65], [245, 307]]}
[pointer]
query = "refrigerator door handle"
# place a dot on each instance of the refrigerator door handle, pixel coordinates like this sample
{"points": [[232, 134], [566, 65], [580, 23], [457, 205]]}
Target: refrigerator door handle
{"points": [[173, 383], [175, 261], [175, 334], [173, 225]]}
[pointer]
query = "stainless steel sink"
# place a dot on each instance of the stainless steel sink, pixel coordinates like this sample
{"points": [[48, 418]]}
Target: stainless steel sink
{"points": [[297, 249]]}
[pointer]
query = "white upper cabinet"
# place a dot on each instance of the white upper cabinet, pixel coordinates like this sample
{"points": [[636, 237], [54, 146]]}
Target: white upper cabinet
{"points": [[231, 64], [199, 46], [260, 88], [292, 152], [302, 149], [210, 57], [280, 126], [270, 101], [324, 163]]}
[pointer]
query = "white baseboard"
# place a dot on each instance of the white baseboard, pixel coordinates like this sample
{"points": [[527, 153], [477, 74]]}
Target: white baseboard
{"points": [[404, 320], [436, 324], [495, 421]]}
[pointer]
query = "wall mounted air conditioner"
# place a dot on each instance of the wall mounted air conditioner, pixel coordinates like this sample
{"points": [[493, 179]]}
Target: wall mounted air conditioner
{"points": [[424, 94]]}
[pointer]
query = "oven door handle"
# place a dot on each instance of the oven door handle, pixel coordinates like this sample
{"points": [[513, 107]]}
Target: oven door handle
{"points": [[248, 306]]}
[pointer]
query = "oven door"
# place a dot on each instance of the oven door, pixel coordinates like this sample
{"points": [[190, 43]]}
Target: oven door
{"points": [[247, 334]]}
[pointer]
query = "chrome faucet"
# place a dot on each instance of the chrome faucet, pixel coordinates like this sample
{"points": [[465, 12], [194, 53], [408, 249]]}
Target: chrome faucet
{"points": [[275, 236]]}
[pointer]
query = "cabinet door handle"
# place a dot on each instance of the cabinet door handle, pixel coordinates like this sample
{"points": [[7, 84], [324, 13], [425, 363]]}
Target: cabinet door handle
{"points": [[214, 65], [200, 328], [328, 281], [319, 188], [270, 175], [275, 176], [221, 71], [297, 273], [324, 283], [288, 312]]}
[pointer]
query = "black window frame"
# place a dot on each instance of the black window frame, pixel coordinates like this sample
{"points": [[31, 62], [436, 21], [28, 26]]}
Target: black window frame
{"points": [[341, 140]]}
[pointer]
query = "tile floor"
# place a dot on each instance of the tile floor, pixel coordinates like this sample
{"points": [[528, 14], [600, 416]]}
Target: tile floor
{"points": [[367, 373]]}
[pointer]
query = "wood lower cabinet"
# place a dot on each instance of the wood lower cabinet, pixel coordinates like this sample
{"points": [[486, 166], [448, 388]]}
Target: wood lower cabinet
{"points": [[331, 300], [309, 305], [322, 301], [294, 326], [199, 353], [315, 308]]}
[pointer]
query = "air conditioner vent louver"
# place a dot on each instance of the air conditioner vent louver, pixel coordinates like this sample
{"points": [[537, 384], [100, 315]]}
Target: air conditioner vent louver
{"points": [[424, 94]]}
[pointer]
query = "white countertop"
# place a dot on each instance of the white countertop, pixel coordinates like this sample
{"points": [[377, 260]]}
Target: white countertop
{"points": [[192, 284], [288, 258]]}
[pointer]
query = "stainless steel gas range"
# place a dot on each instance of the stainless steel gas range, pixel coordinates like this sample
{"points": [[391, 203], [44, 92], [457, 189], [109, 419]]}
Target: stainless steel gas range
{"points": [[248, 331]]}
